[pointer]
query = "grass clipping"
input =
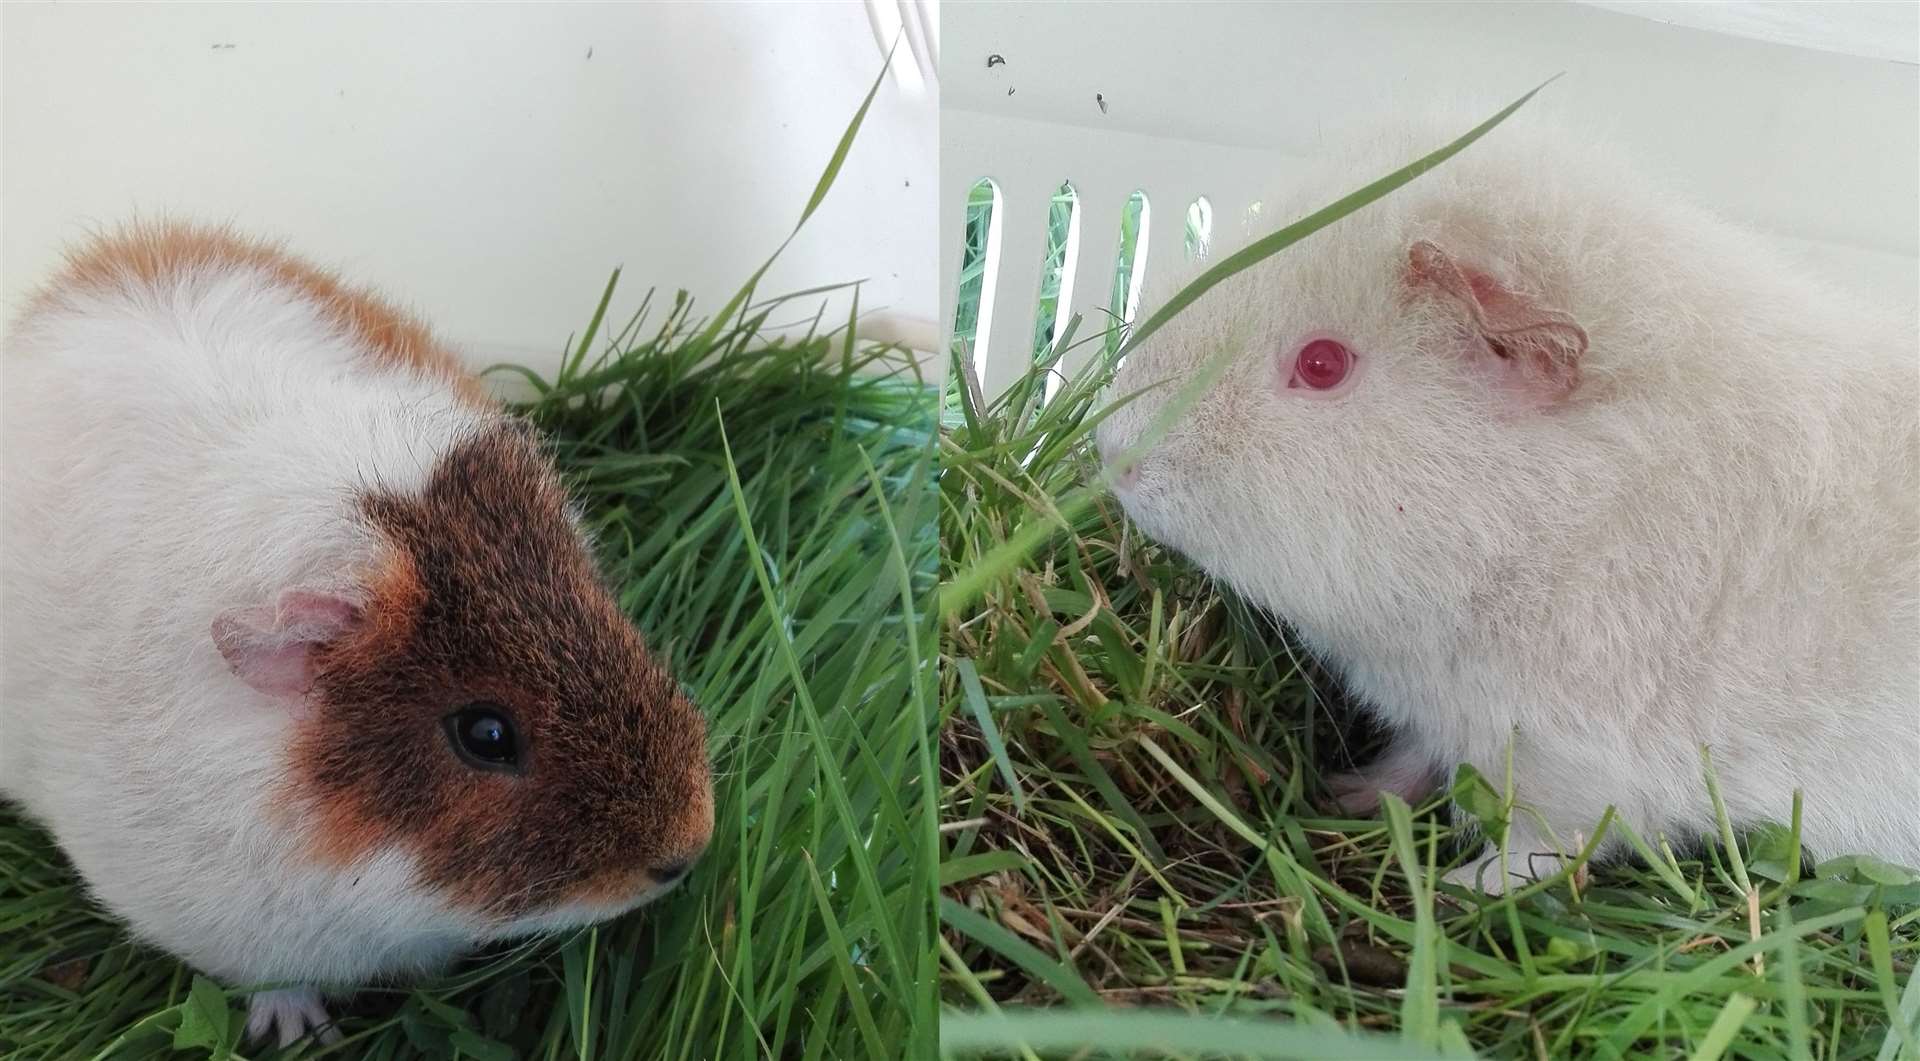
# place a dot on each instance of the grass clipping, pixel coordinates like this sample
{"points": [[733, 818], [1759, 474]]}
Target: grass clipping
{"points": [[1134, 823]]}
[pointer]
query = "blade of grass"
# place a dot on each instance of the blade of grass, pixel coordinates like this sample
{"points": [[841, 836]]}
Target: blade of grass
{"points": [[1060, 977], [977, 702], [1137, 1032], [820, 189]]}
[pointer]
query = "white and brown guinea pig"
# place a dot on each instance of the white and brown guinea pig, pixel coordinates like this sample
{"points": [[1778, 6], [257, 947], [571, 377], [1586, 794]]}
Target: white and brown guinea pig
{"points": [[307, 665], [1530, 450]]}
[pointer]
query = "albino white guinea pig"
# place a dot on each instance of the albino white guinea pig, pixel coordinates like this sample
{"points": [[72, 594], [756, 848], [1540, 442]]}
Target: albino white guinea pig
{"points": [[1531, 452], [307, 666]]}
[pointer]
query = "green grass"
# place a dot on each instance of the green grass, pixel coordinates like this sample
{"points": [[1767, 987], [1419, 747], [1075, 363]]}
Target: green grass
{"points": [[765, 508], [1138, 859]]}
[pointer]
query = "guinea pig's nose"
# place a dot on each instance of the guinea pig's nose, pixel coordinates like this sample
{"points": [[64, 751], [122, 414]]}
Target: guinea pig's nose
{"points": [[1125, 476], [669, 870]]}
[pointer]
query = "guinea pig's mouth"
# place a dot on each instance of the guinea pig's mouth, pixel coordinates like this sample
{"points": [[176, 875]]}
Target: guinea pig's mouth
{"points": [[588, 908], [1149, 508], [567, 918]]}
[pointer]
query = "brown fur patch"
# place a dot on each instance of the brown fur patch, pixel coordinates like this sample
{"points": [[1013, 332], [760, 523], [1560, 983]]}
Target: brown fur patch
{"points": [[151, 254], [498, 600], [395, 598]]}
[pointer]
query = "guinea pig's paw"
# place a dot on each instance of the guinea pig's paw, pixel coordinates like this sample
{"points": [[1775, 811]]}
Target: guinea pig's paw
{"points": [[287, 1015], [1524, 866], [1401, 771], [1482, 875], [1355, 792]]}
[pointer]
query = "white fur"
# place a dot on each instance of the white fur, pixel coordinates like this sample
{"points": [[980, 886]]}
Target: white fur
{"points": [[171, 453], [1713, 541]]}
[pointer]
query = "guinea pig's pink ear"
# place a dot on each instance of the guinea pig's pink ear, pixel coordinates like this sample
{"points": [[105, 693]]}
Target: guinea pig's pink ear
{"points": [[1536, 343], [271, 646]]}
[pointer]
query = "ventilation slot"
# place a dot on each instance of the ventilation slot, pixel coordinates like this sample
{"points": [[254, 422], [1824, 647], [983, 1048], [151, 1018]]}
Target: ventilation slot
{"points": [[1129, 267], [979, 265], [1056, 278], [1199, 228]]}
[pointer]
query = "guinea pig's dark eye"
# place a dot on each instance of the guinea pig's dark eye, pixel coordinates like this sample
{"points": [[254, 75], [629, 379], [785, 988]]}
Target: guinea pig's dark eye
{"points": [[1321, 365], [482, 734]]}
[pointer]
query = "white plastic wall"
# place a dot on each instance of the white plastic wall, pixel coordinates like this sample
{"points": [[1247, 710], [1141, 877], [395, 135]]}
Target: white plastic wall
{"points": [[490, 164], [1818, 148]]}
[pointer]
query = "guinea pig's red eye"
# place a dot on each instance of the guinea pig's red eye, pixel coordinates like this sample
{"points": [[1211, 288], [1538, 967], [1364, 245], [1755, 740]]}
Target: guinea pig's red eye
{"points": [[482, 735], [1321, 365]]}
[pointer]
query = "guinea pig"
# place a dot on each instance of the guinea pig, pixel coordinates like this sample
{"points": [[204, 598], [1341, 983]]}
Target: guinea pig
{"points": [[1535, 456], [307, 664]]}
